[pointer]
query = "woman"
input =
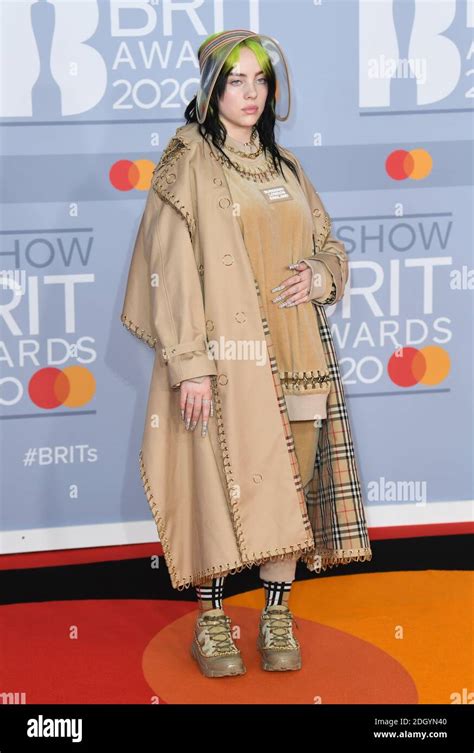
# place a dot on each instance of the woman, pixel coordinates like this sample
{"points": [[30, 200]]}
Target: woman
{"points": [[232, 267]]}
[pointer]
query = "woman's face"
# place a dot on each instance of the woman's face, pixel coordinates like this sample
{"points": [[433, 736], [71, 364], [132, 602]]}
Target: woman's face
{"points": [[246, 88]]}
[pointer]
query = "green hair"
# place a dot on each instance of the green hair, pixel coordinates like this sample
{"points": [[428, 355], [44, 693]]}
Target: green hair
{"points": [[257, 48], [233, 57]]}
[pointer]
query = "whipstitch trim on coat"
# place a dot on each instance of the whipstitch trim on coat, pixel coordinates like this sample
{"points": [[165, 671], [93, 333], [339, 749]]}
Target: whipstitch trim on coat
{"points": [[332, 295], [344, 270], [283, 412], [178, 583], [328, 558], [163, 175], [230, 481], [231, 487], [323, 233], [298, 381], [138, 331], [158, 520], [204, 575], [213, 572]]}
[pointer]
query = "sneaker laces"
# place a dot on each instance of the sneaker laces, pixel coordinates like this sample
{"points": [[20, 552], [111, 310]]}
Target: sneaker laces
{"points": [[280, 624], [218, 629]]}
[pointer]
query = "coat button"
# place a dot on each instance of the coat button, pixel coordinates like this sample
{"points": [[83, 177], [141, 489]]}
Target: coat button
{"points": [[170, 178], [240, 316], [227, 259], [224, 202], [210, 325], [222, 379], [317, 212], [217, 181], [257, 477]]}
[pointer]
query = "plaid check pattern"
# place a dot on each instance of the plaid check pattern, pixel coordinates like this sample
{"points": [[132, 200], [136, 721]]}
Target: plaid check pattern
{"points": [[334, 497]]}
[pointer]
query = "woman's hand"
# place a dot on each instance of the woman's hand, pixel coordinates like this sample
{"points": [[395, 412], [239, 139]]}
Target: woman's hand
{"points": [[295, 288], [195, 401]]}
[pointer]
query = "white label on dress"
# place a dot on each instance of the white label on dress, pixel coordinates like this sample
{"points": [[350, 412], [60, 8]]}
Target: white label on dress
{"points": [[276, 193]]}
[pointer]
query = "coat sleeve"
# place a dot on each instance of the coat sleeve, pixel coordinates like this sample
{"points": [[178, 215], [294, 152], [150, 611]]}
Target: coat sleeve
{"points": [[329, 258], [177, 307], [322, 281]]}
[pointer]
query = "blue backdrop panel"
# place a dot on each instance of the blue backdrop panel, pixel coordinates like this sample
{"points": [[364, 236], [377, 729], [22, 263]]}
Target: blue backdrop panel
{"points": [[382, 122]]}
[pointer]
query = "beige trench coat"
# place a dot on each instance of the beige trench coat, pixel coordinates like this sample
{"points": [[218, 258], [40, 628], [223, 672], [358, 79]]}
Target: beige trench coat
{"points": [[234, 498]]}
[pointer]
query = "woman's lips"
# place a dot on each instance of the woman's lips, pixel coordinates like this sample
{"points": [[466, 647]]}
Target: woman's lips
{"points": [[250, 109]]}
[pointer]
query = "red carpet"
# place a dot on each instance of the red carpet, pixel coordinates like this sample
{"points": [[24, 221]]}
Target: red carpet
{"points": [[397, 638]]}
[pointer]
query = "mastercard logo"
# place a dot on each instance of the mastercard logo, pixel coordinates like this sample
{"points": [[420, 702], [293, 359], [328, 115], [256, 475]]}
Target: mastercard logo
{"points": [[416, 164], [72, 386], [409, 366], [125, 174]]}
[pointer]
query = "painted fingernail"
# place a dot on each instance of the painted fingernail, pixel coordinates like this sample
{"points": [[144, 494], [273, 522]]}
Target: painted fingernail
{"points": [[193, 425], [278, 298], [204, 429], [182, 413], [188, 421], [282, 305], [275, 290]]}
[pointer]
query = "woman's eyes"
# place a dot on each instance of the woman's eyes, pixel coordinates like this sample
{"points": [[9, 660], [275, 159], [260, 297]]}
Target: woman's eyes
{"points": [[238, 81]]}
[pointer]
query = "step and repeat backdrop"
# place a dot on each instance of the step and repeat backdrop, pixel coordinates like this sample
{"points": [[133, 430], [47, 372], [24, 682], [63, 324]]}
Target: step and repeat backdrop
{"points": [[91, 91]]}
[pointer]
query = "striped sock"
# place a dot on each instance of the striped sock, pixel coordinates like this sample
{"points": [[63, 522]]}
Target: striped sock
{"points": [[277, 592], [211, 593]]}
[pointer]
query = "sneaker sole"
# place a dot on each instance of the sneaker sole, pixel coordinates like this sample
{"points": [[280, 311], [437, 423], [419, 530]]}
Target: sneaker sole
{"points": [[209, 671], [268, 666]]}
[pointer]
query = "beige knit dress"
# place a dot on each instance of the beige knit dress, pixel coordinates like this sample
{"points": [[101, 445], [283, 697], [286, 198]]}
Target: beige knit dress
{"points": [[276, 225]]}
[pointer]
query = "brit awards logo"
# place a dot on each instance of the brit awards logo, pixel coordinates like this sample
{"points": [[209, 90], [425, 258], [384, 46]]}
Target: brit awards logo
{"points": [[49, 51], [415, 53]]}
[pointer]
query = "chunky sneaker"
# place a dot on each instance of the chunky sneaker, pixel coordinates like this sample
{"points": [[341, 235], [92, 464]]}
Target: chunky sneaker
{"points": [[213, 646], [279, 648]]}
